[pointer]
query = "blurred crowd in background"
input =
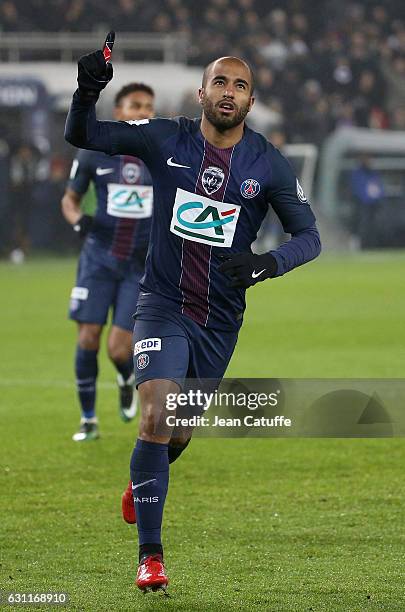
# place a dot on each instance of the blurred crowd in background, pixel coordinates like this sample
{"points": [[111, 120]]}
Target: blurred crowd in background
{"points": [[318, 65]]}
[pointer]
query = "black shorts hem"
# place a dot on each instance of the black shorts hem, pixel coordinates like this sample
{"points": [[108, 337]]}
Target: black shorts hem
{"points": [[146, 378]]}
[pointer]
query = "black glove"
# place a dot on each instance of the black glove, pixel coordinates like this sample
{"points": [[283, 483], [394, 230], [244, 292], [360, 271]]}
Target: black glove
{"points": [[94, 72], [82, 227], [247, 269]]}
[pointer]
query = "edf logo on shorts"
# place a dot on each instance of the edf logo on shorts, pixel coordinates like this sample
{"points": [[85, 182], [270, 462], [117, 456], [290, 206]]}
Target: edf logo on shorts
{"points": [[149, 344], [200, 219]]}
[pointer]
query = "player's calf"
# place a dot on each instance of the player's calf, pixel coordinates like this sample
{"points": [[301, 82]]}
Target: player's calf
{"points": [[120, 352], [86, 369], [150, 465], [176, 447]]}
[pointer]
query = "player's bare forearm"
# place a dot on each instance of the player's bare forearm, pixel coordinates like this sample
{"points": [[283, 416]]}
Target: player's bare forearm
{"points": [[71, 206]]}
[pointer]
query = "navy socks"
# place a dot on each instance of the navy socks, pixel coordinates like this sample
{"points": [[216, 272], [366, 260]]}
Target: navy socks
{"points": [[86, 369], [150, 480]]}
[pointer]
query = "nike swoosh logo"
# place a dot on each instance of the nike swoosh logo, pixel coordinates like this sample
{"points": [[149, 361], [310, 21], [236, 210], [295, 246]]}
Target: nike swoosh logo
{"points": [[102, 171], [170, 162], [256, 274], [142, 483]]}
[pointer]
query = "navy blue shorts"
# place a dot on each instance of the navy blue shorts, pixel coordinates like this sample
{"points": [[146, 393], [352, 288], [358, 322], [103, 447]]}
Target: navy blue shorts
{"points": [[99, 288], [171, 346]]}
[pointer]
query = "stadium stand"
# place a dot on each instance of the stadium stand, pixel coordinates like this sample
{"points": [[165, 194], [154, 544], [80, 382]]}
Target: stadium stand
{"points": [[318, 66], [319, 69]]}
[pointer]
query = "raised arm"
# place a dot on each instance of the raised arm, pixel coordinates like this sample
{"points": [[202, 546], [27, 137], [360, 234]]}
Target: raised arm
{"points": [[95, 71], [83, 130]]}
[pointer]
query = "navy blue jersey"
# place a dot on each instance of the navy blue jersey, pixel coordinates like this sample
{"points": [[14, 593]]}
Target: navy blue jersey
{"points": [[124, 200], [208, 202]]}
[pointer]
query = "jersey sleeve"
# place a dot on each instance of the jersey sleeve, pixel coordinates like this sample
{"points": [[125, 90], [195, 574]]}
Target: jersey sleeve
{"points": [[287, 197], [80, 172], [138, 138]]}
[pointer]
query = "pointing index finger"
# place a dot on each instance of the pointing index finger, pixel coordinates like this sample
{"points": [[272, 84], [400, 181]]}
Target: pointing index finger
{"points": [[108, 45]]}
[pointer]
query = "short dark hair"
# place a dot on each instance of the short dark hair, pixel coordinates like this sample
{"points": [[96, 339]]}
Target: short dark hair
{"points": [[132, 88]]}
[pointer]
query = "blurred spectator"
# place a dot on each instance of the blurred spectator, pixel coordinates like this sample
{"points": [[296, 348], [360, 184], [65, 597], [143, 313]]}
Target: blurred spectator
{"points": [[48, 229], [9, 18], [277, 137], [393, 70], [23, 174], [369, 97], [311, 120], [354, 51], [368, 192], [318, 66]]}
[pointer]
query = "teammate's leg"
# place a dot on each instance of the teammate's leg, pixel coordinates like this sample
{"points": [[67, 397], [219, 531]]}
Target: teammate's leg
{"points": [[86, 369], [119, 348], [120, 339], [90, 301]]}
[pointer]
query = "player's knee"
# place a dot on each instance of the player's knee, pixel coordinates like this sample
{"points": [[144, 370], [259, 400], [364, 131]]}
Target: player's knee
{"points": [[89, 338], [118, 353], [150, 420], [119, 346]]}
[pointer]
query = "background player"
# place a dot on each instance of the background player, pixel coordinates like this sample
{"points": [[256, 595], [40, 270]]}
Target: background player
{"points": [[214, 180], [112, 258]]}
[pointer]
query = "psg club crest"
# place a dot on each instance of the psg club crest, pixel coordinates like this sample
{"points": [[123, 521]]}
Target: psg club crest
{"points": [[250, 188], [131, 173], [142, 361], [212, 179]]}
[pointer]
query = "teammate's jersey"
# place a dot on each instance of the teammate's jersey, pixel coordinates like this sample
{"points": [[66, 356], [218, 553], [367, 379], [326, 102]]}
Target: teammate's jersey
{"points": [[208, 202], [124, 194]]}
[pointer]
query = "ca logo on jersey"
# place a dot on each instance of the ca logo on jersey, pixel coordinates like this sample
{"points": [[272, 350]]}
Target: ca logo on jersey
{"points": [[212, 179], [131, 202], [201, 219]]}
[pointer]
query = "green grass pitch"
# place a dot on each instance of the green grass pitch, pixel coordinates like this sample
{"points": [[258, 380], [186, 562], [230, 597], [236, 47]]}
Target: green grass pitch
{"points": [[287, 525]]}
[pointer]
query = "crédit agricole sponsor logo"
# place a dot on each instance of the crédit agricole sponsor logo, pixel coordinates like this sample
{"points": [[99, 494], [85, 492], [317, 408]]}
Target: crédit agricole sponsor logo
{"points": [[198, 218]]}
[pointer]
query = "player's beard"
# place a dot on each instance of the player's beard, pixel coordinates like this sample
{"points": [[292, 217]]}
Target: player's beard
{"points": [[224, 122]]}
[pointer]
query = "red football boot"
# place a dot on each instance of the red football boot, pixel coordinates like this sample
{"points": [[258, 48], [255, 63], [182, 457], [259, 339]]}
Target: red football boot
{"points": [[128, 505], [151, 574]]}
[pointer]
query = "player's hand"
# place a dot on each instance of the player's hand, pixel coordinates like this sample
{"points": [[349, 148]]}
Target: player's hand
{"points": [[95, 70], [247, 269], [83, 225]]}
